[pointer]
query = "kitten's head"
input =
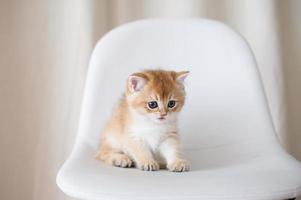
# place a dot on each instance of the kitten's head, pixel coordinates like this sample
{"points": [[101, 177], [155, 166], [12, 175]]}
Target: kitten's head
{"points": [[156, 94]]}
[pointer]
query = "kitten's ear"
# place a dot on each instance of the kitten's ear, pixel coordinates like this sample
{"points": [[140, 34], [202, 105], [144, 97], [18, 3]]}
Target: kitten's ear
{"points": [[136, 83], [181, 76]]}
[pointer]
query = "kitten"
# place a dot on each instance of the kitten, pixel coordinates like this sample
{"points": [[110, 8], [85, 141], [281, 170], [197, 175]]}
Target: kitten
{"points": [[143, 127]]}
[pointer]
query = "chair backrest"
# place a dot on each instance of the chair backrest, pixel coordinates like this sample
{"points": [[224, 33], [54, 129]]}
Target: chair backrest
{"points": [[225, 99]]}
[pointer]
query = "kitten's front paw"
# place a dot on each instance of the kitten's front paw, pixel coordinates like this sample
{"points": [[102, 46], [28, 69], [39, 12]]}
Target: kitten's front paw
{"points": [[148, 165], [179, 165], [121, 160]]}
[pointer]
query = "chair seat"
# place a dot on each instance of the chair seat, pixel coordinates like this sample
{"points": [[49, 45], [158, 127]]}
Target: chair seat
{"points": [[264, 173], [225, 121]]}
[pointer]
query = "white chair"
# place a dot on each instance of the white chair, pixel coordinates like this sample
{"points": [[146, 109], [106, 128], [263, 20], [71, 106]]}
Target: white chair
{"points": [[225, 125]]}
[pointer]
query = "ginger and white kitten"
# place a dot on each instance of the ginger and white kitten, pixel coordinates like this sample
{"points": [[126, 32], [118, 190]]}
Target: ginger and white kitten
{"points": [[143, 128]]}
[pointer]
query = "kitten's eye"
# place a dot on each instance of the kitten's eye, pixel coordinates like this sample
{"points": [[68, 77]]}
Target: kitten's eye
{"points": [[152, 104], [171, 104]]}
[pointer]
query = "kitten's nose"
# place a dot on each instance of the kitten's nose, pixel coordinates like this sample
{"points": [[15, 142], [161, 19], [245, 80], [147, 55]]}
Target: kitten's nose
{"points": [[163, 114]]}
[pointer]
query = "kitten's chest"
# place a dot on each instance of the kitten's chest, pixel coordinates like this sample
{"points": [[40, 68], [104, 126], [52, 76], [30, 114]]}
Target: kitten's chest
{"points": [[151, 134]]}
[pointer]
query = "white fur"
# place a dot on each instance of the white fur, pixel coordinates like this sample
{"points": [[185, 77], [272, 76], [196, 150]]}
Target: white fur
{"points": [[167, 150], [151, 130]]}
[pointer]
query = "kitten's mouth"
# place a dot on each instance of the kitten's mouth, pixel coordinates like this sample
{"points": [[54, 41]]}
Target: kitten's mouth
{"points": [[161, 118]]}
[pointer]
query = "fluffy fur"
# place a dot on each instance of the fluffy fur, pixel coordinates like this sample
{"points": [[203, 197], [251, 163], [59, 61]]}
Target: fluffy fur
{"points": [[146, 137]]}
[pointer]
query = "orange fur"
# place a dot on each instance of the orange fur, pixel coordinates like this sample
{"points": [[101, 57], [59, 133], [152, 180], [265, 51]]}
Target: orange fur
{"points": [[144, 136]]}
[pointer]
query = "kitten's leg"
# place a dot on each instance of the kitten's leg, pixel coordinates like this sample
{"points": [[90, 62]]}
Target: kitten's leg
{"points": [[113, 157], [142, 155], [170, 149]]}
